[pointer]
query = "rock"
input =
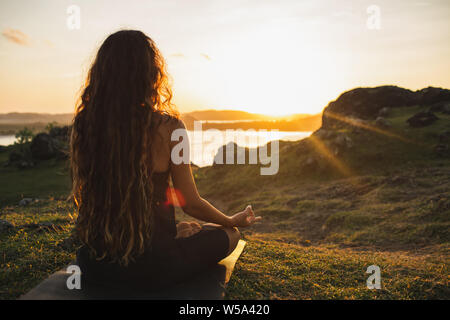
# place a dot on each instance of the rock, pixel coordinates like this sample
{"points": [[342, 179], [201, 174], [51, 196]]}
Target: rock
{"points": [[343, 140], [324, 134], [382, 122], [20, 157], [321, 133], [399, 180], [5, 225], [221, 155], [15, 155], [443, 107], [61, 133], [442, 150], [422, 119], [43, 147], [432, 95], [24, 164], [310, 160], [25, 201], [336, 151], [384, 112], [369, 103], [311, 163], [366, 103], [444, 137]]}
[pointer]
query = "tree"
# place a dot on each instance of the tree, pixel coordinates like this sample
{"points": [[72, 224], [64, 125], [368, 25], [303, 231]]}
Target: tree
{"points": [[50, 126], [23, 136]]}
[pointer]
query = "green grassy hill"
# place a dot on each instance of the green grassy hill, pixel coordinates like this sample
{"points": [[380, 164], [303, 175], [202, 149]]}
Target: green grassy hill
{"points": [[348, 197], [343, 199]]}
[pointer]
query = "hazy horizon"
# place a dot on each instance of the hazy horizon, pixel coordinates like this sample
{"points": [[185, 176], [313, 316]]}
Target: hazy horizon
{"points": [[186, 112], [266, 57]]}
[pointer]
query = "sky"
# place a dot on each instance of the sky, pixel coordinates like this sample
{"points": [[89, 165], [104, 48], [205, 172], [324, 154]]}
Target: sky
{"points": [[264, 56]]}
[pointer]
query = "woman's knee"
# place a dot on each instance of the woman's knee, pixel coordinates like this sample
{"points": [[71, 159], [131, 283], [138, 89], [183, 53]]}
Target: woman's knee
{"points": [[233, 236]]}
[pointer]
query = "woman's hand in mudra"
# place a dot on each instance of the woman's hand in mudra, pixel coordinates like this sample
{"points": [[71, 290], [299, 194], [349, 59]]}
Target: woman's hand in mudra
{"points": [[186, 229], [245, 218]]}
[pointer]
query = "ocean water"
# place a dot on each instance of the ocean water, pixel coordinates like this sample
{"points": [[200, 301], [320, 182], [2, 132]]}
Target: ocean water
{"points": [[7, 140], [204, 144]]}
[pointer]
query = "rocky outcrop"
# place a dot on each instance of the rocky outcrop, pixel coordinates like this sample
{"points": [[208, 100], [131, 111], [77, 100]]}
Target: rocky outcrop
{"points": [[443, 107], [25, 201], [61, 133], [21, 158], [370, 103], [221, 155], [422, 119], [44, 147], [444, 137], [443, 147], [382, 122], [5, 225]]}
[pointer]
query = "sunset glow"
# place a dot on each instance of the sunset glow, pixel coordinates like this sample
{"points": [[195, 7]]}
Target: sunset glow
{"points": [[267, 57]]}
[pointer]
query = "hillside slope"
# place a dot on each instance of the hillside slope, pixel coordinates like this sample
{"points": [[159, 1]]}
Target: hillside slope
{"points": [[367, 185], [363, 190]]}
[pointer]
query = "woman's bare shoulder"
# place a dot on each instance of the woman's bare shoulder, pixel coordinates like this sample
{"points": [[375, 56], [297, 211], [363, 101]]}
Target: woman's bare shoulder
{"points": [[168, 123]]}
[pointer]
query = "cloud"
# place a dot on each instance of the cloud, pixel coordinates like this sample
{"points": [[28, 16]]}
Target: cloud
{"points": [[204, 55], [16, 36]]}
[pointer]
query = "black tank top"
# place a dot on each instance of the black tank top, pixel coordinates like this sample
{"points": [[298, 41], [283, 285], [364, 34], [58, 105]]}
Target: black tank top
{"points": [[163, 244], [163, 211]]}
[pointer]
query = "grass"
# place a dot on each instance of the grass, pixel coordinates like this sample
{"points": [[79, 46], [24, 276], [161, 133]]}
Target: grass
{"points": [[321, 228], [47, 179], [270, 268], [36, 247]]}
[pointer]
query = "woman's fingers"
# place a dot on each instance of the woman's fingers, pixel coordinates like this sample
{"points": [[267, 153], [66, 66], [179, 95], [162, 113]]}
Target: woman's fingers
{"points": [[183, 225], [196, 226], [186, 229], [249, 214]]}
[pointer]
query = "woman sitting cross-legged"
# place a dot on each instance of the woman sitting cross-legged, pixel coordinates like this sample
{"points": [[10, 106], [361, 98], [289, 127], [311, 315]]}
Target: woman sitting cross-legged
{"points": [[121, 165]]}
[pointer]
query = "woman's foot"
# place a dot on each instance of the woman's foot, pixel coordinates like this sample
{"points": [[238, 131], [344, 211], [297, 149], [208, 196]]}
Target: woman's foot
{"points": [[233, 235], [186, 229]]}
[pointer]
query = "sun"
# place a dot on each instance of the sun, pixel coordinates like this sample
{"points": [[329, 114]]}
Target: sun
{"points": [[270, 72]]}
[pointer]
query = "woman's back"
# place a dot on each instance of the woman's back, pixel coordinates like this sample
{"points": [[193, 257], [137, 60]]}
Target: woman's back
{"points": [[121, 165]]}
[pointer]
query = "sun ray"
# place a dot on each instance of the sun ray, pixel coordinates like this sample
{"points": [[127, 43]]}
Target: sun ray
{"points": [[366, 126], [323, 149]]}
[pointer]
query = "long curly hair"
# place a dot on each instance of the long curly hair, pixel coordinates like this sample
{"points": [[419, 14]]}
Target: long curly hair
{"points": [[110, 146]]}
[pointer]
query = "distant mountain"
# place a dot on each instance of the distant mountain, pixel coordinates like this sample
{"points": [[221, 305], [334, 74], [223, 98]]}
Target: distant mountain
{"points": [[14, 121], [310, 123], [234, 119], [235, 115], [225, 115], [34, 117], [18, 118]]}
